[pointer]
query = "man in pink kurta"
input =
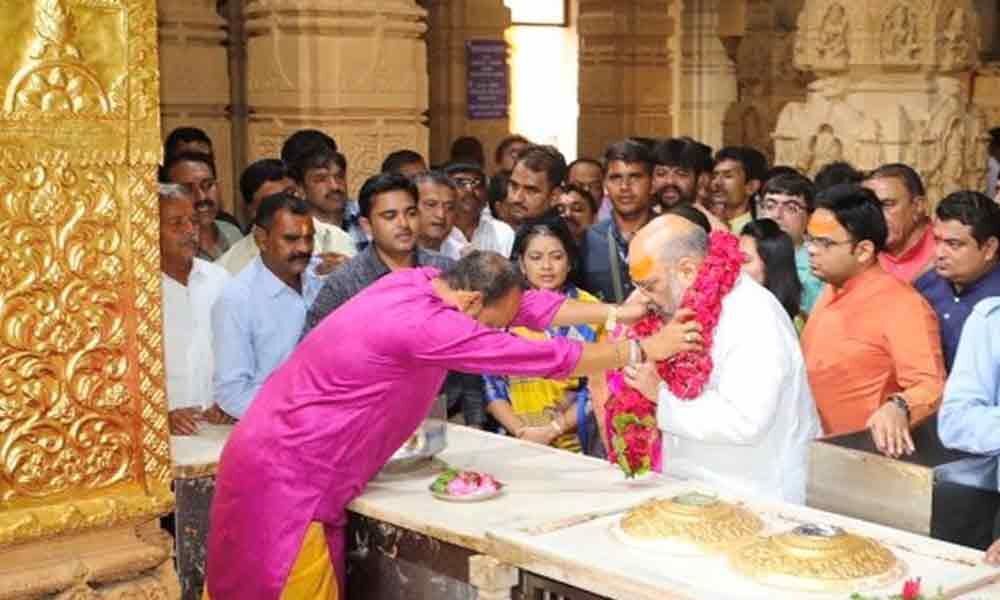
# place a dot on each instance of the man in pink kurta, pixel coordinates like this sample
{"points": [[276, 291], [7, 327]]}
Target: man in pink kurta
{"points": [[329, 418]]}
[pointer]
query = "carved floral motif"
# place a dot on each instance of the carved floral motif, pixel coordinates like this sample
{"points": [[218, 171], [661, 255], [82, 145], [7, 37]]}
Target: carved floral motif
{"points": [[82, 408]]}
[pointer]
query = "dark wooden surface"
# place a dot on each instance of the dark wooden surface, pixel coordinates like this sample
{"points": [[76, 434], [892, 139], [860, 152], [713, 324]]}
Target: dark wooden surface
{"points": [[194, 499]]}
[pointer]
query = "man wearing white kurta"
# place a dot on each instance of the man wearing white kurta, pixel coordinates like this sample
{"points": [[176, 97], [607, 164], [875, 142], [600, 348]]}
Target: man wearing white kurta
{"points": [[749, 430], [190, 287]]}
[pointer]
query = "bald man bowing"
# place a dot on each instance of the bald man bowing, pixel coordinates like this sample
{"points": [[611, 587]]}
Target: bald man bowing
{"points": [[749, 429]]}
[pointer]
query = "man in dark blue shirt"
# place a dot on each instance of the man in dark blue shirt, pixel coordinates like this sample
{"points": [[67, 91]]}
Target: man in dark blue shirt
{"points": [[967, 236], [628, 178]]}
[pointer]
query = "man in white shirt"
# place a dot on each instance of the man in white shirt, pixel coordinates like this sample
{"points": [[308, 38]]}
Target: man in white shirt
{"points": [[436, 205], [473, 228], [750, 428], [258, 181], [190, 288]]}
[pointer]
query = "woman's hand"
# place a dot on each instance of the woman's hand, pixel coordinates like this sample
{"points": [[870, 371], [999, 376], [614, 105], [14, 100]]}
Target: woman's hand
{"points": [[681, 334], [540, 435], [645, 379]]}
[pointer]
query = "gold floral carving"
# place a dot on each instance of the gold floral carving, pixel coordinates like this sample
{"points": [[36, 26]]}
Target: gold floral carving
{"points": [[83, 435], [816, 562], [706, 523]]}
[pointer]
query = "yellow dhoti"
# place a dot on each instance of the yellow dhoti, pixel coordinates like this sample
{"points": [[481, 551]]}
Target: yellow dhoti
{"points": [[312, 576]]}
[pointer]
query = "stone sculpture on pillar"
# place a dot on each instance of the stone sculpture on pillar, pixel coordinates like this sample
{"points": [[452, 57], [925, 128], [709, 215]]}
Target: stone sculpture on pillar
{"points": [[889, 89]]}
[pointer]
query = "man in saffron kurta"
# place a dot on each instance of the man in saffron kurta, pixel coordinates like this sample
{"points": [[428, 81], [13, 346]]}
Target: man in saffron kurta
{"points": [[351, 393]]}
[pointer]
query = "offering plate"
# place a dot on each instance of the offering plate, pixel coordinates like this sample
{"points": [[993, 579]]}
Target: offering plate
{"points": [[818, 558], [687, 524]]}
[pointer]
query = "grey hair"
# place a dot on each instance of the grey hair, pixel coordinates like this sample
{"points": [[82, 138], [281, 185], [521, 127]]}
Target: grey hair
{"points": [[175, 191], [486, 272], [435, 178], [693, 242]]}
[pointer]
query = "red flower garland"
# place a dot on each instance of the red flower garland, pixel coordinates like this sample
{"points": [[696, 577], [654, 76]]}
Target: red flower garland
{"points": [[630, 416], [687, 373]]}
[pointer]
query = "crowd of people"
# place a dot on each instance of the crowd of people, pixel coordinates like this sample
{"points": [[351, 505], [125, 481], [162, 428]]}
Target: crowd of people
{"points": [[861, 304]]}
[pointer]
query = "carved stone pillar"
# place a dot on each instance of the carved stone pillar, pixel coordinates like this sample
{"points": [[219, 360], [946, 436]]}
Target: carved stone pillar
{"points": [[626, 87], [84, 448], [707, 77], [356, 69], [194, 75], [890, 89], [765, 72], [451, 24], [986, 92]]}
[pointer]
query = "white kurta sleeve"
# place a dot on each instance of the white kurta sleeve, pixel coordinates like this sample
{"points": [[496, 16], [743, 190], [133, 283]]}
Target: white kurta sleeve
{"points": [[739, 405]]}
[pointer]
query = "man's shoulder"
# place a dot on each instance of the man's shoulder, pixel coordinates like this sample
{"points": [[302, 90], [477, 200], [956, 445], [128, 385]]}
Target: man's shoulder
{"points": [[599, 229], [928, 282], [595, 241], [499, 227], [211, 271], [237, 290], [430, 258], [988, 308]]}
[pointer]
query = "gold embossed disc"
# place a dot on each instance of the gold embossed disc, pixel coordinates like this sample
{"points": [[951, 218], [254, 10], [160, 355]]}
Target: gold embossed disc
{"points": [[694, 522], [818, 558]]}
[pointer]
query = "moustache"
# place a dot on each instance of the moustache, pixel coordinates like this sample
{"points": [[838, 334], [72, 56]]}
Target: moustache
{"points": [[204, 204], [299, 257]]}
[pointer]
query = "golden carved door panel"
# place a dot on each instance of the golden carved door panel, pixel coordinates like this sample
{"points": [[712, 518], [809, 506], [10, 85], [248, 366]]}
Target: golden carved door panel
{"points": [[83, 434]]}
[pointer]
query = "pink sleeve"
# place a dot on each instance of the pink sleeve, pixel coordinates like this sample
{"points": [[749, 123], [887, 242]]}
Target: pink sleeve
{"points": [[538, 308], [454, 341]]}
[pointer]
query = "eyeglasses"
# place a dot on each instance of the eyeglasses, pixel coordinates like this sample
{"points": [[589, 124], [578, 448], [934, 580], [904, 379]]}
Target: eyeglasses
{"points": [[467, 182], [774, 207], [205, 185], [823, 242]]}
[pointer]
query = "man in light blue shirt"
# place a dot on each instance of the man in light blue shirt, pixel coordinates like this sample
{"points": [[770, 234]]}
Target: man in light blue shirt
{"points": [[969, 418], [258, 317]]}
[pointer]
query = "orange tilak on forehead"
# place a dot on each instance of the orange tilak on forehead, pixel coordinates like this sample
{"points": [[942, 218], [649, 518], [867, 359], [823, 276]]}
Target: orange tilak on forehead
{"points": [[640, 266], [823, 224]]}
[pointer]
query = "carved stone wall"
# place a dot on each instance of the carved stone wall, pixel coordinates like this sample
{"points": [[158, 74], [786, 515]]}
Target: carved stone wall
{"points": [[626, 87], [194, 89], [356, 69], [83, 432], [890, 88], [767, 79], [706, 78], [986, 92], [451, 24]]}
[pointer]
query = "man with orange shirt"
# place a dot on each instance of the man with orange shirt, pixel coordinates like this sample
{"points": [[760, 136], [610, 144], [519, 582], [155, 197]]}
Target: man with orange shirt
{"points": [[871, 344], [909, 248]]}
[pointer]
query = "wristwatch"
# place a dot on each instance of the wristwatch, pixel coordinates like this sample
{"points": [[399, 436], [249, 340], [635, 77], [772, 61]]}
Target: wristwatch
{"points": [[901, 404]]}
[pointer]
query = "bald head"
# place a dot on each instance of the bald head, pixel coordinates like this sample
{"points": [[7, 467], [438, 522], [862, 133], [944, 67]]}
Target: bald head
{"points": [[666, 239], [664, 258]]}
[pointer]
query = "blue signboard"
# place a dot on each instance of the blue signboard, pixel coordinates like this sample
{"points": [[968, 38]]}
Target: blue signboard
{"points": [[486, 79]]}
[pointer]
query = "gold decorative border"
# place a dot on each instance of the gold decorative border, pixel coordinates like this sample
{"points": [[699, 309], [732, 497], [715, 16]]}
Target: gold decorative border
{"points": [[27, 524]]}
